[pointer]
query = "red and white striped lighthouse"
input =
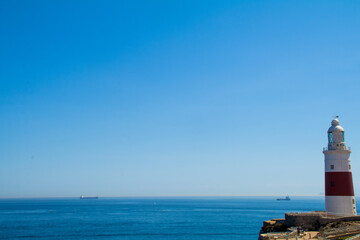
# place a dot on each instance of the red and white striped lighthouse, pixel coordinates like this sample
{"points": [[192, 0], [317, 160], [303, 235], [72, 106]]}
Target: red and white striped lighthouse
{"points": [[339, 190]]}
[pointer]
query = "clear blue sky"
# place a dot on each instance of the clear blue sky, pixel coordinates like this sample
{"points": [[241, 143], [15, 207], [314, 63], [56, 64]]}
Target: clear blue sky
{"points": [[154, 98]]}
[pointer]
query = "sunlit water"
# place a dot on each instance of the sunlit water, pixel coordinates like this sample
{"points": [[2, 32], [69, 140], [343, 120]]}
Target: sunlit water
{"points": [[144, 218]]}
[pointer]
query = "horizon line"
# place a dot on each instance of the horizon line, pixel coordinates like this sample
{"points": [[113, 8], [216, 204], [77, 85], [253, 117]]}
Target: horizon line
{"points": [[158, 196]]}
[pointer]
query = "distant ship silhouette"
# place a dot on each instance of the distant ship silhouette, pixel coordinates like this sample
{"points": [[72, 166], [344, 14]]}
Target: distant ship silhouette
{"points": [[84, 197], [286, 198]]}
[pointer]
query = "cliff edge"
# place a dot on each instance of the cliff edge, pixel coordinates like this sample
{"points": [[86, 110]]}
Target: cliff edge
{"points": [[313, 225]]}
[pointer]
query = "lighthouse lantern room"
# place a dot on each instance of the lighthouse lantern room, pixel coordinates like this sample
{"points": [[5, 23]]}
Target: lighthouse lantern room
{"points": [[339, 191]]}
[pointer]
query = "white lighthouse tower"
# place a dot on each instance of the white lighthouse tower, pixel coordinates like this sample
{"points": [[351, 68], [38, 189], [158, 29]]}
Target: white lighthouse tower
{"points": [[339, 191]]}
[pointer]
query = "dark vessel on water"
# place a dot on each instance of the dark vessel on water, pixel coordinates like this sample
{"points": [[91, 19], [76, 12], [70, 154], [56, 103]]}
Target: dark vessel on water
{"points": [[83, 197], [286, 198]]}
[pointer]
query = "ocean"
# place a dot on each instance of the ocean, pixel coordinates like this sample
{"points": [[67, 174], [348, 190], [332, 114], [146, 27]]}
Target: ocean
{"points": [[165, 218]]}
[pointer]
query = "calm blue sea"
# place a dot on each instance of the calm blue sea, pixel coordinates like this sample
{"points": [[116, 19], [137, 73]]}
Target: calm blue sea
{"points": [[144, 218]]}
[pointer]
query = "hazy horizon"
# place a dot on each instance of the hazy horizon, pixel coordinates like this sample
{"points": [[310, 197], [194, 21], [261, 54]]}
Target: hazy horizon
{"points": [[172, 196]]}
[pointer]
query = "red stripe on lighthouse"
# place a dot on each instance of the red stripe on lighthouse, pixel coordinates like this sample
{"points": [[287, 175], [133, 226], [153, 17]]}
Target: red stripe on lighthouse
{"points": [[338, 184]]}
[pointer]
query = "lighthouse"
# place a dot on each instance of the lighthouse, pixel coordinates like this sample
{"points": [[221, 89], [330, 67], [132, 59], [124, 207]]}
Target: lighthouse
{"points": [[339, 191]]}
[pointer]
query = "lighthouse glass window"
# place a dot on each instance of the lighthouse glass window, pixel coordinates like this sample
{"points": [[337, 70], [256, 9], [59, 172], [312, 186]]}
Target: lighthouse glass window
{"points": [[330, 138], [343, 136]]}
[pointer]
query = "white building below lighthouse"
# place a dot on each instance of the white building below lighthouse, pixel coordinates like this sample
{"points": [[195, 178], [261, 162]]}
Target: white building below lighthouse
{"points": [[339, 190]]}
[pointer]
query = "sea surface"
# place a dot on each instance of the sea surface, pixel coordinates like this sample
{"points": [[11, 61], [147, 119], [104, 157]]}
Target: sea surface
{"points": [[163, 218]]}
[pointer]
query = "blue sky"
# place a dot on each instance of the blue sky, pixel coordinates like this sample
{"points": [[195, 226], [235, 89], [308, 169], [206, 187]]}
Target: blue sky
{"points": [[164, 98]]}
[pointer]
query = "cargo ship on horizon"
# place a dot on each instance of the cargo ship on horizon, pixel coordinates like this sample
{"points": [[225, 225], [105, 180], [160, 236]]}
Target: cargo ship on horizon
{"points": [[286, 198], [84, 197]]}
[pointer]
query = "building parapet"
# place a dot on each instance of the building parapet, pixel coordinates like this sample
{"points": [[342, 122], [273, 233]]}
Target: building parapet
{"points": [[325, 149]]}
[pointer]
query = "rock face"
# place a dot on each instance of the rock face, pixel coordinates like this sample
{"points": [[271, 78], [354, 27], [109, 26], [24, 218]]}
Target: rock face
{"points": [[341, 228], [320, 222], [274, 225]]}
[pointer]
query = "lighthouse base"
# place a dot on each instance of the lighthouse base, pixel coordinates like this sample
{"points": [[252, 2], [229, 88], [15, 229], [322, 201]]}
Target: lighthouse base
{"points": [[340, 205]]}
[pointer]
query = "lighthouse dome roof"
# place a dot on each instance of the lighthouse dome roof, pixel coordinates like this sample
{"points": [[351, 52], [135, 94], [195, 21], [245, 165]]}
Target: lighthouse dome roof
{"points": [[335, 126], [335, 122]]}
